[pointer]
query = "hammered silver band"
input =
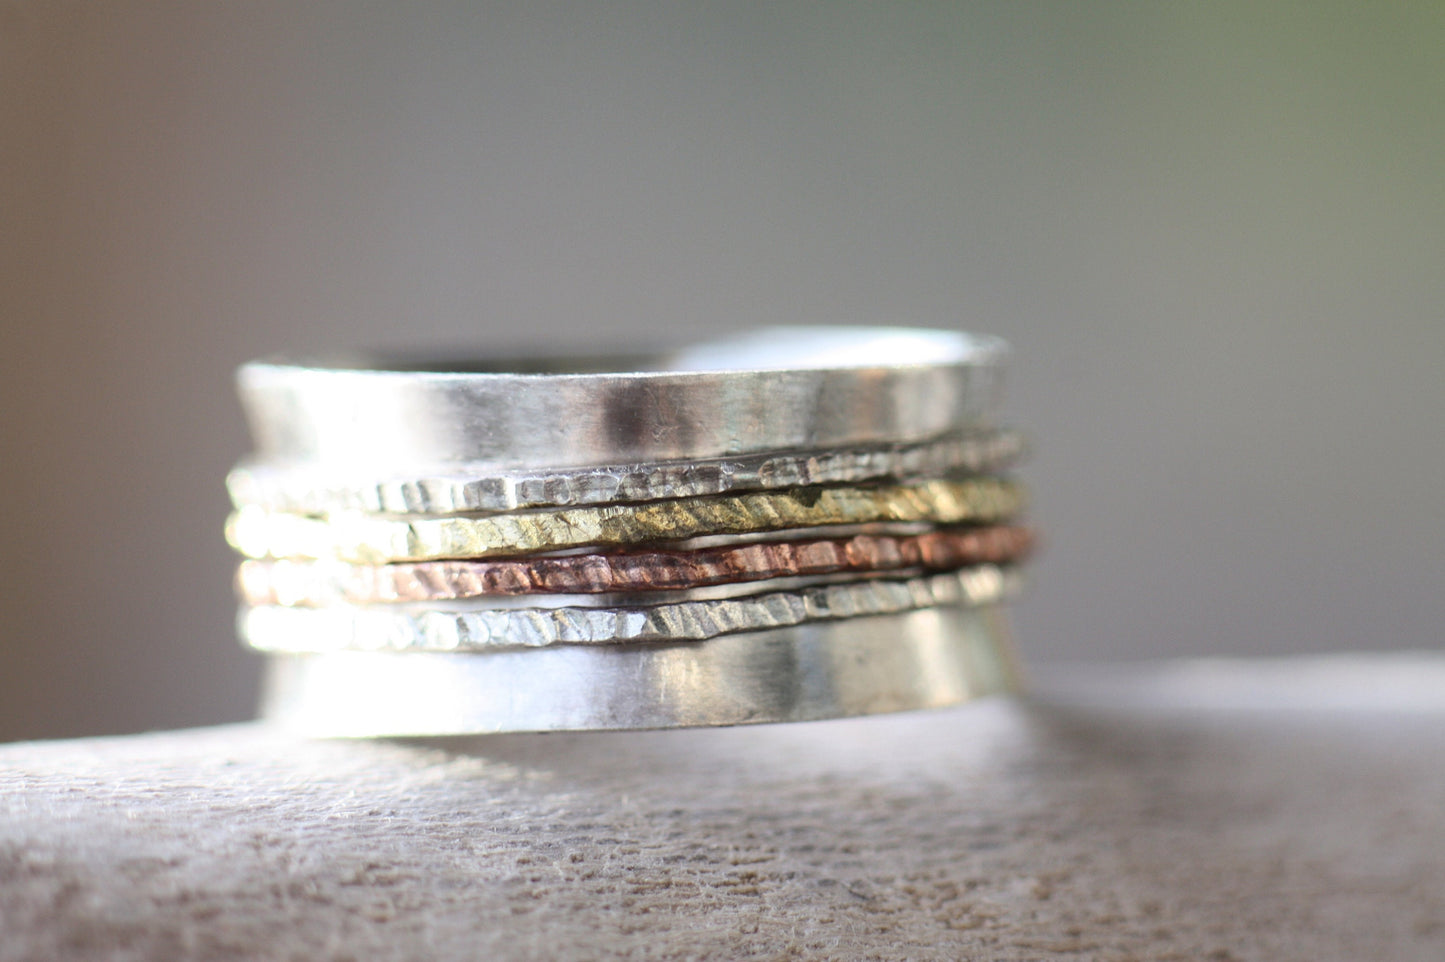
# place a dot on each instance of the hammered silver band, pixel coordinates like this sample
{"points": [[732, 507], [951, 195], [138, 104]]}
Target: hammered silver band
{"points": [[931, 658], [307, 489], [475, 627]]}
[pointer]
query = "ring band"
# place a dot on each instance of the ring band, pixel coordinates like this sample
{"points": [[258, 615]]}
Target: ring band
{"points": [[371, 540], [318, 584], [791, 524], [478, 628], [304, 489], [930, 658], [784, 390]]}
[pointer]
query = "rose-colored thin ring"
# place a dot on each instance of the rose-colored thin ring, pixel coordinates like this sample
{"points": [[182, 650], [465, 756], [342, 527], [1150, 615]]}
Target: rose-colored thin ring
{"points": [[327, 583]]}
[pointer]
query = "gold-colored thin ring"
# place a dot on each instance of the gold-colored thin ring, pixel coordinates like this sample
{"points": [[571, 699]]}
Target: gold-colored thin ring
{"points": [[368, 539]]}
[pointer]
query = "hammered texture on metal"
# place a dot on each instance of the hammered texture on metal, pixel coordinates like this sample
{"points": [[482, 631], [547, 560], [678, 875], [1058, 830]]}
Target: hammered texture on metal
{"points": [[321, 583], [367, 539], [380, 628], [303, 489]]}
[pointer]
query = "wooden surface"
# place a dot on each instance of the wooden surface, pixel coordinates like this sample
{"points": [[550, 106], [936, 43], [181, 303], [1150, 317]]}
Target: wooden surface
{"points": [[1274, 810]]}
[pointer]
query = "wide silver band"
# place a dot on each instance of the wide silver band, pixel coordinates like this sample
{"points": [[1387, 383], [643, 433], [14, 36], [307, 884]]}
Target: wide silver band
{"points": [[924, 659], [448, 489], [782, 389], [482, 626]]}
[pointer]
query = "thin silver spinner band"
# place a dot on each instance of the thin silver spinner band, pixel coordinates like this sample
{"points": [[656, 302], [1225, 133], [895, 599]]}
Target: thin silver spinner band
{"points": [[932, 658], [782, 389], [470, 626], [310, 489]]}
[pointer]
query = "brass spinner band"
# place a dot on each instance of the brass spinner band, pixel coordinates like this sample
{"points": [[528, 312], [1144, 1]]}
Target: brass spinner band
{"points": [[368, 539]]}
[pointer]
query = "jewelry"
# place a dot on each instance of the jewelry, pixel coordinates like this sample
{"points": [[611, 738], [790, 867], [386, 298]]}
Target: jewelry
{"points": [[304, 489], [924, 659], [790, 524], [787, 389], [371, 540], [477, 628], [319, 584]]}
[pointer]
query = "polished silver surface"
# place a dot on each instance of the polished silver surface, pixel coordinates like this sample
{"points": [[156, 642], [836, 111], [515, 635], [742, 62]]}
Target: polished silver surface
{"points": [[925, 659], [485, 625], [783, 389], [314, 489]]}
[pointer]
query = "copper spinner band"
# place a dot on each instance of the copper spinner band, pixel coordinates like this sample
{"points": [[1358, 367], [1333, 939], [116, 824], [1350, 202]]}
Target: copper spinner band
{"points": [[320, 584]]}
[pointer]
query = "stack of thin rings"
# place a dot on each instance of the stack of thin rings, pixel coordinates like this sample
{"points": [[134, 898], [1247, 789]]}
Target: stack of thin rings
{"points": [[794, 524]]}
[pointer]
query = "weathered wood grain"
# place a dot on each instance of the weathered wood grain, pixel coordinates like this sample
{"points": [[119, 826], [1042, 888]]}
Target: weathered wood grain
{"points": [[1276, 811]]}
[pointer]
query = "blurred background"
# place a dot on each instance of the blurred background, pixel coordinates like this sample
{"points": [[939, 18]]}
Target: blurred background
{"points": [[1215, 234]]}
